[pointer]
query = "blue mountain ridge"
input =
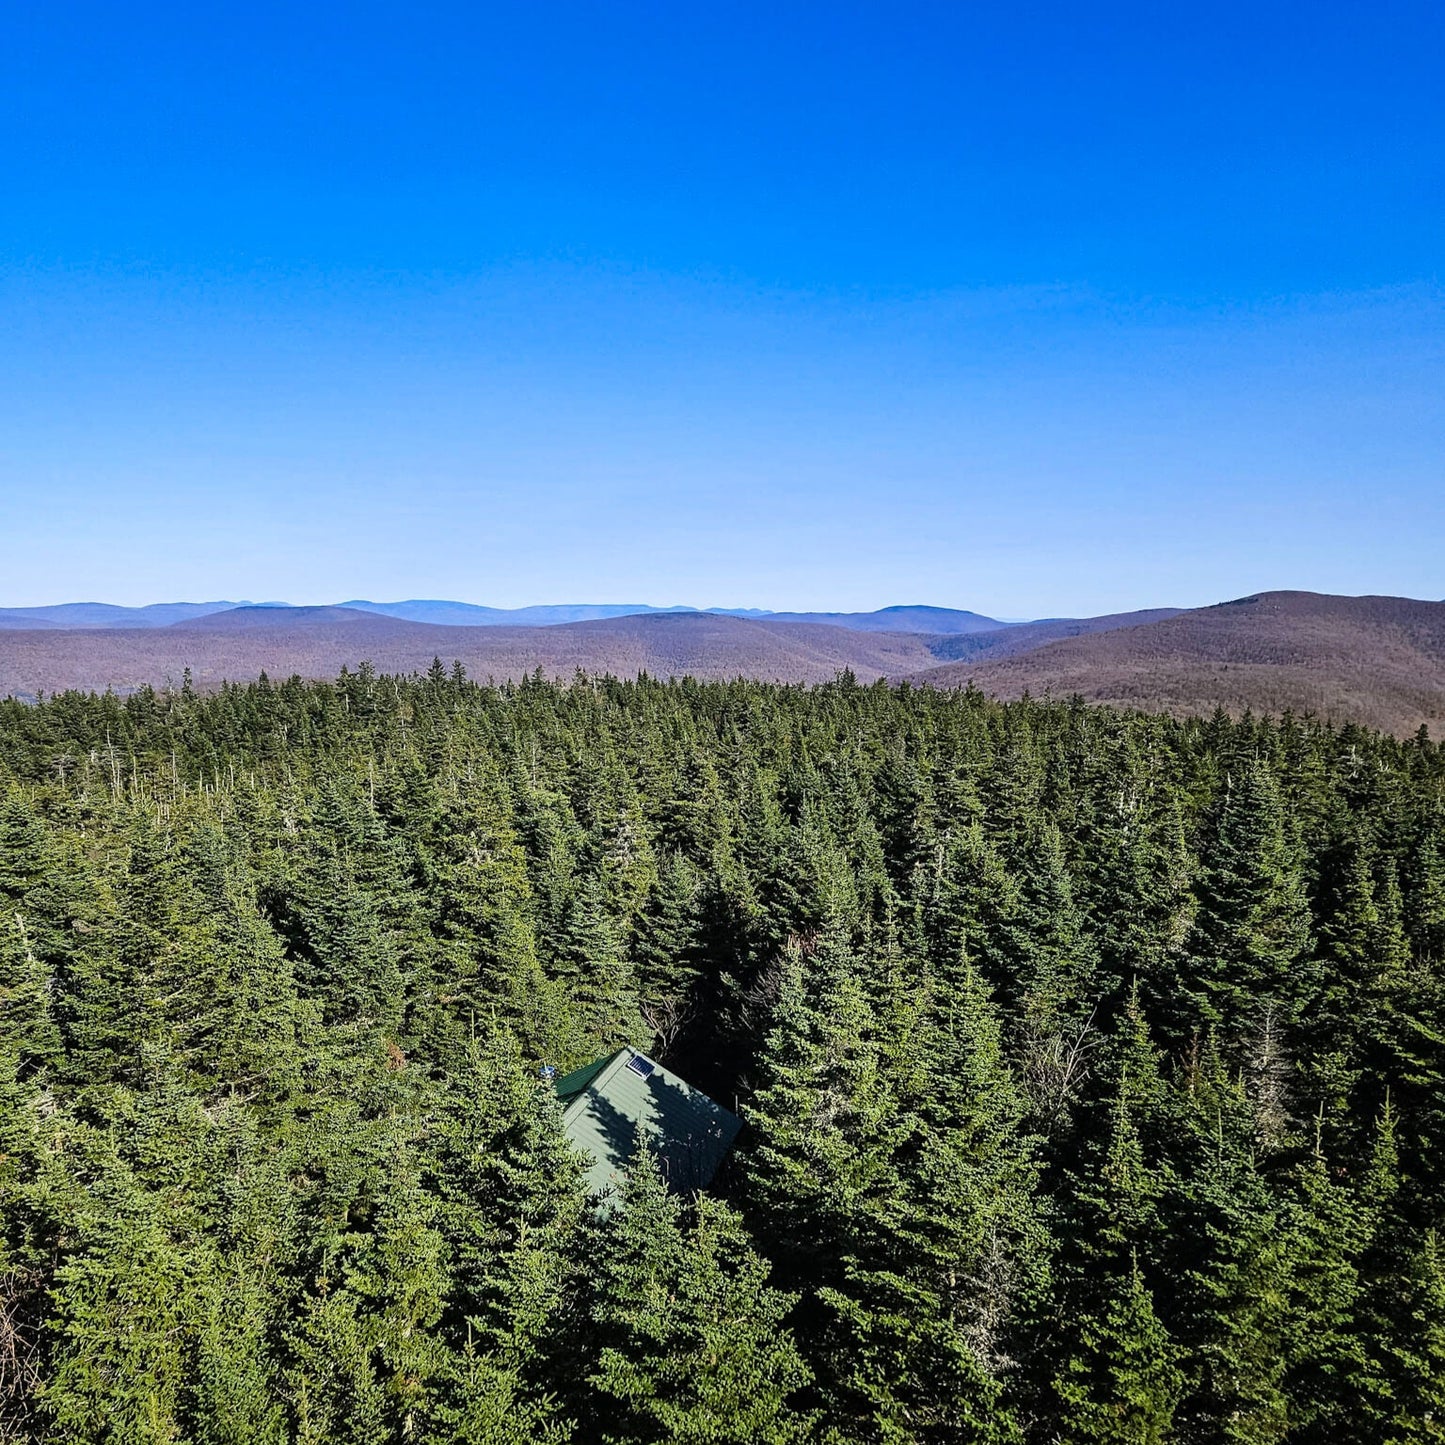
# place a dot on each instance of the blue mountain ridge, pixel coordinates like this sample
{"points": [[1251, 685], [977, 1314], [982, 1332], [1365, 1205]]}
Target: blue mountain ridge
{"points": [[442, 612]]}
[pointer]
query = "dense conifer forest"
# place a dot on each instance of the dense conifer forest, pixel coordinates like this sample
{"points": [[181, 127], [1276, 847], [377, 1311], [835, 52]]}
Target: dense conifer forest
{"points": [[1092, 1068]]}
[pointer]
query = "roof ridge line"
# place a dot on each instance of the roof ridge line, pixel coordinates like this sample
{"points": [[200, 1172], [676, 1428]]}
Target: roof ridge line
{"points": [[600, 1077]]}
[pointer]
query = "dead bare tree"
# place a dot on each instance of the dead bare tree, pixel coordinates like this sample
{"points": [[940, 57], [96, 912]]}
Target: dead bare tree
{"points": [[666, 1018], [1267, 1070], [994, 1285], [1055, 1065], [19, 1355]]}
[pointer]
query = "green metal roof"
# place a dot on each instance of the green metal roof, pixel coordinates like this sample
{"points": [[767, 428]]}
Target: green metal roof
{"points": [[573, 1083], [610, 1105]]}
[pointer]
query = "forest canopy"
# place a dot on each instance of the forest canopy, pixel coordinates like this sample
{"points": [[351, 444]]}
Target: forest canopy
{"points": [[1092, 1067]]}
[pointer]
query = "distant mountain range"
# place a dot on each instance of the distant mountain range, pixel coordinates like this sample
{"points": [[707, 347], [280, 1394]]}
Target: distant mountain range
{"points": [[104, 614], [1375, 660], [470, 614]]}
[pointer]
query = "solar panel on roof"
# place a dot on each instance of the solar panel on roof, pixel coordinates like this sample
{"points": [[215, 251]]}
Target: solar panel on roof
{"points": [[640, 1066]]}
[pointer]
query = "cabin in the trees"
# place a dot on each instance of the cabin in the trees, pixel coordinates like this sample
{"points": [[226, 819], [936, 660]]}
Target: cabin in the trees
{"points": [[612, 1105]]}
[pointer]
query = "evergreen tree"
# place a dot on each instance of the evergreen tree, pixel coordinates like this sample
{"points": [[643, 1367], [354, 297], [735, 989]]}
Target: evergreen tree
{"points": [[27, 1026], [1252, 928], [1121, 1377], [1227, 1233], [825, 1121], [124, 1324], [511, 1208], [690, 1338], [1426, 907], [942, 1271], [1123, 1382], [1416, 1369]]}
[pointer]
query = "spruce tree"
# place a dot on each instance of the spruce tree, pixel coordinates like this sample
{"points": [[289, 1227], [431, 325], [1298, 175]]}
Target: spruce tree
{"points": [[1252, 928], [124, 1325], [1425, 913], [942, 1272], [1122, 1382], [824, 1123], [1120, 1377], [511, 1207], [27, 1024], [691, 1348]]}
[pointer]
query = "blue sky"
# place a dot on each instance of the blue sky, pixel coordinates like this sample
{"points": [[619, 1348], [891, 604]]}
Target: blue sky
{"points": [[1067, 309]]}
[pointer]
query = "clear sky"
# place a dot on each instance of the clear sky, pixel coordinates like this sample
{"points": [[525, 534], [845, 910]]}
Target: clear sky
{"points": [[1032, 309]]}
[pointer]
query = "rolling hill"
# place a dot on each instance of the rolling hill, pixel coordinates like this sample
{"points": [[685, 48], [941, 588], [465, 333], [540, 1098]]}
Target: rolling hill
{"points": [[292, 621], [1374, 660], [107, 614], [1020, 637], [886, 619], [317, 642]]}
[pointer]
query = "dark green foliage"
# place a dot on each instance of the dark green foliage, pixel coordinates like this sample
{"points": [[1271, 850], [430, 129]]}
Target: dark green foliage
{"points": [[689, 1340], [1252, 928], [1122, 1380], [26, 1022], [1093, 1068]]}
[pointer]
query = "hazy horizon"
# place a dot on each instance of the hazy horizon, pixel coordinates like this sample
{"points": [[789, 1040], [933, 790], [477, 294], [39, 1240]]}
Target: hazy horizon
{"points": [[716, 607]]}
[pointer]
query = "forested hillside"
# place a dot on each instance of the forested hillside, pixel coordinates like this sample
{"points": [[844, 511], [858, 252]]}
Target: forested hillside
{"points": [[1373, 660], [1092, 1068]]}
